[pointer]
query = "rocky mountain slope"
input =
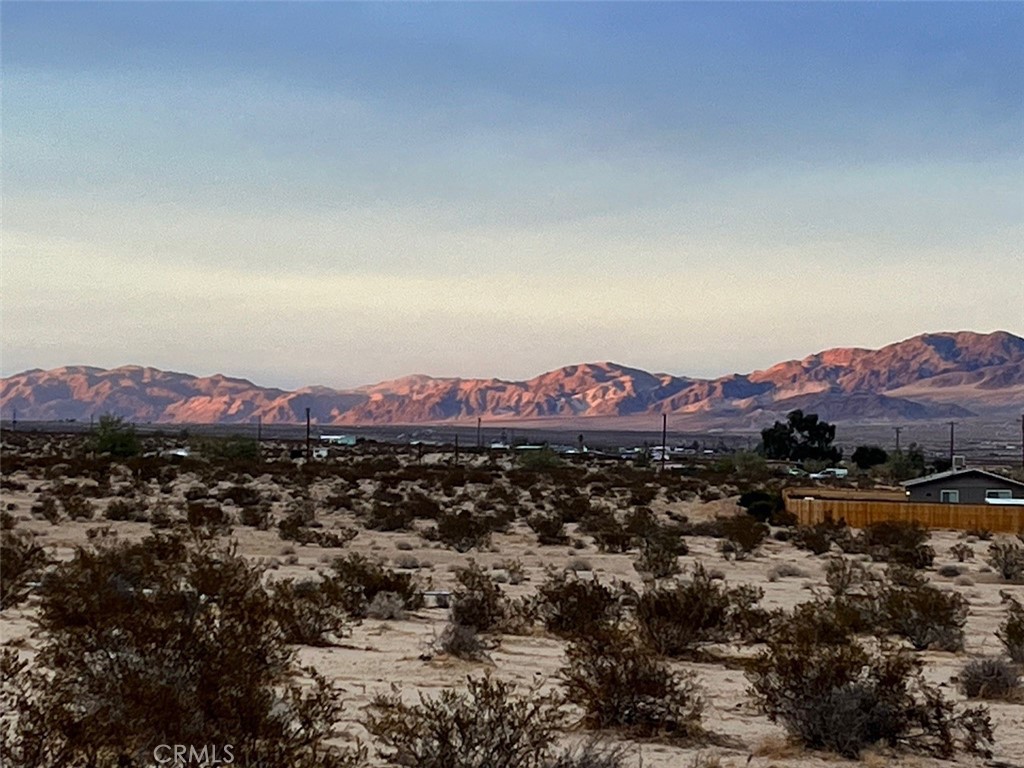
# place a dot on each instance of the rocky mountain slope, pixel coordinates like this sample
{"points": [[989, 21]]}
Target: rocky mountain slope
{"points": [[941, 375]]}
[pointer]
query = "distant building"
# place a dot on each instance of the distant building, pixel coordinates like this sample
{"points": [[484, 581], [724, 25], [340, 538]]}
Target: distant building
{"points": [[963, 486], [349, 440]]}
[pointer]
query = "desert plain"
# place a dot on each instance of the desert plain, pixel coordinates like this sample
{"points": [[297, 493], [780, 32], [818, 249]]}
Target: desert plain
{"points": [[379, 654]]}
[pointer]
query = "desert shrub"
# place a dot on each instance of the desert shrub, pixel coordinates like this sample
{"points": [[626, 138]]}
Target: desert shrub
{"points": [[843, 697], [462, 641], [420, 505], [126, 509], [711, 528], [7, 520], [256, 516], [659, 557], [785, 571], [898, 541], [1011, 631], [46, 507], [209, 515], [590, 754], [307, 612], [762, 505], [1007, 558], [487, 726], [388, 517], [241, 495], [407, 562], [962, 551], [386, 605], [516, 571], [357, 580], [462, 530], [477, 600], [949, 571], [23, 563], [675, 620], [743, 536], [164, 641], [990, 678], [296, 527], [620, 683], [609, 534], [925, 615], [571, 606], [818, 538], [77, 507], [549, 527]]}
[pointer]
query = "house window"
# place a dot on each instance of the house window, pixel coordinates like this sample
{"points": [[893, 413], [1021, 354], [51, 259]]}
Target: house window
{"points": [[998, 493], [949, 497]]}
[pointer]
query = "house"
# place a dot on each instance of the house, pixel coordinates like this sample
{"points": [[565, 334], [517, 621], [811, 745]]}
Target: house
{"points": [[963, 486]]}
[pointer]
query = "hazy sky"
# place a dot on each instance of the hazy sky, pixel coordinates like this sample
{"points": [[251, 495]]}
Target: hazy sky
{"points": [[342, 193]]}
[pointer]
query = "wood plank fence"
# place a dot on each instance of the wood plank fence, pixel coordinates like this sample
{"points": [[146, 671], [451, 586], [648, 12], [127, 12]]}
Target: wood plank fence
{"points": [[1001, 519]]}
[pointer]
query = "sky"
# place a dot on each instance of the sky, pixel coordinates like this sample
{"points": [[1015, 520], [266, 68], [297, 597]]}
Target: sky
{"points": [[342, 193]]}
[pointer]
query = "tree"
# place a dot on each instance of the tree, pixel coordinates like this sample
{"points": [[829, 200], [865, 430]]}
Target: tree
{"points": [[115, 436], [867, 456], [799, 438]]}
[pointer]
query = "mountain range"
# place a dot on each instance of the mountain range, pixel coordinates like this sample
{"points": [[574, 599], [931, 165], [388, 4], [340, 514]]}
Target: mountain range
{"points": [[931, 376]]}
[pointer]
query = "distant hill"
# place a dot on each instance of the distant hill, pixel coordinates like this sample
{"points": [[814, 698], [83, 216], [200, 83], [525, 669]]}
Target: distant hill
{"points": [[932, 376]]}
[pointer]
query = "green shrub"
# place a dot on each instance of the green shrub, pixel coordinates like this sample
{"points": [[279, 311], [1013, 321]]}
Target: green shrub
{"points": [[570, 606], [23, 563], [743, 536], [357, 580], [164, 641], [462, 530], [844, 698], [676, 620], [989, 678], [1011, 631], [487, 726], [307, 612], [550, 528], [620, 683], [1007, 558]]}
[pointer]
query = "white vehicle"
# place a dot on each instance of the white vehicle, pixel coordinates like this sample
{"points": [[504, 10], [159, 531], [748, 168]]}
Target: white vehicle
{"points": [[830, 474]]}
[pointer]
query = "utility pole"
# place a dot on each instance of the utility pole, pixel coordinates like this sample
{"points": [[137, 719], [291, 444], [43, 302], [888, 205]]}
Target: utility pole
{"points": [[456, 448], [1022, 441], [479, 436], [897, 430], [952, 430], [259, 429], [14, 421], [309, 450], [664, 441]]}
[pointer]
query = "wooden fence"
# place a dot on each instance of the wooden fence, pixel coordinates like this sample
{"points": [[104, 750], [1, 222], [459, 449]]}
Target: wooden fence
{"points": [[1002, 519]]}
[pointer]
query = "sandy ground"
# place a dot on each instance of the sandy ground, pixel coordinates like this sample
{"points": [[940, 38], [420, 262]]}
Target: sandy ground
{"points": [[380, 654]]}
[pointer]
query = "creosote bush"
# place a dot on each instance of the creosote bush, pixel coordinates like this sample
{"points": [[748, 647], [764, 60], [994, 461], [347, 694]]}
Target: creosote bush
{"points": [[844, 698], [489, 725], [1007, 558], [164, 641], [990, 678], [571, 606], [678, 618], [356, 581], [1011, 631], [308, 612], [743, 536], [23, 562], [622, 684]]}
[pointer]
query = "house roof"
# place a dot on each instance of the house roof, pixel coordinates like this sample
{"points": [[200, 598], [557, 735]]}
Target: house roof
{"points": [[959, 472]]}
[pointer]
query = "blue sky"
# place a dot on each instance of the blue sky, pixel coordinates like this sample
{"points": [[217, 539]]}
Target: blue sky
{"points": [[341, 193]]}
